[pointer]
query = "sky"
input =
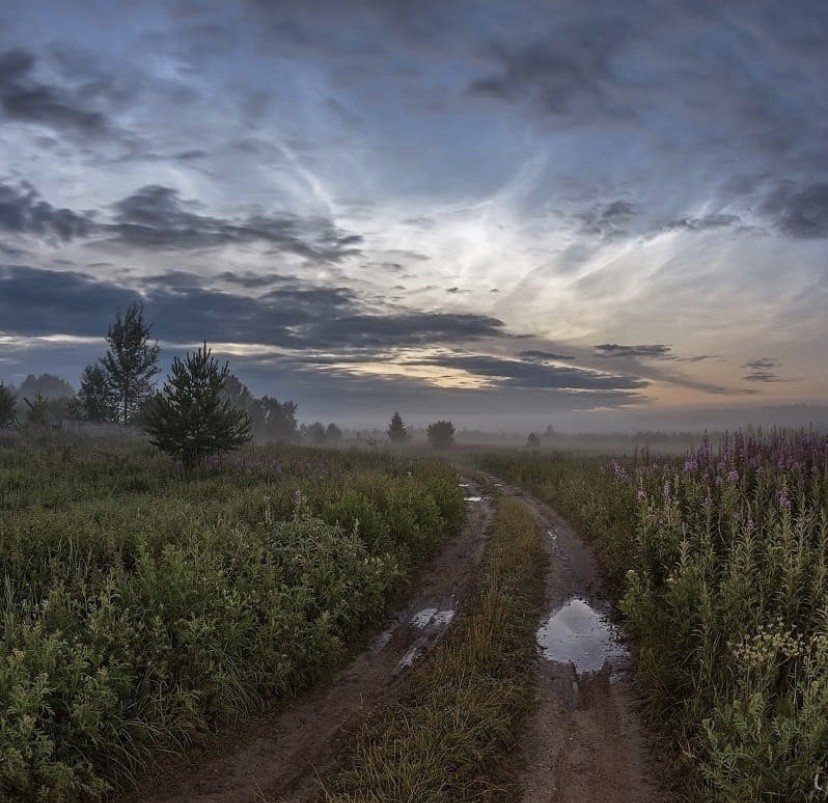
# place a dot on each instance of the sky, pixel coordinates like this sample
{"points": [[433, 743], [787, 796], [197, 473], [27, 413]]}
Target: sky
{"points": [[600, 214]]}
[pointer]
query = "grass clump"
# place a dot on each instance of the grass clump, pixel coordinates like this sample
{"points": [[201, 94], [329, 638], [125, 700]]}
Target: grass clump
{"points": [[451, 736]]}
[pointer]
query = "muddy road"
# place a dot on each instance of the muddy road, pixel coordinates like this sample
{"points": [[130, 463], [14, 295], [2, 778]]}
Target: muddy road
{"points": [[282, 757], [583, 740]]}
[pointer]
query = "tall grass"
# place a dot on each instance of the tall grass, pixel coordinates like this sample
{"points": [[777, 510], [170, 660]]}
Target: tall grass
{"points": [[721, 561], [451, 736], [141, 605]]}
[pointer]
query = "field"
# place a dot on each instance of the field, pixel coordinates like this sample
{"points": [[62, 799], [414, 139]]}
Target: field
{"points": [[142, 605], [720, 563]]}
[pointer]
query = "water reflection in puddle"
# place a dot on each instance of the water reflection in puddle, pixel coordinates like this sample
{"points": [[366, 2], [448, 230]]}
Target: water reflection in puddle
{"points": [[579, 635], [432, 617], [474, 498]]}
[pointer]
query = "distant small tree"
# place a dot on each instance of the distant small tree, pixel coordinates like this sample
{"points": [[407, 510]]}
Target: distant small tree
{"points": [[315, 433], [8, 405], [49, 386], [441, 434], [189, 419], [396, 429], [533, 441], [96, 400], [130, 362], [333, 434]]}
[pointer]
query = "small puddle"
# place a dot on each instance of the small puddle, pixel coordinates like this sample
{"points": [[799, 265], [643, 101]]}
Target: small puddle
{"points": [[474, 498], [432, 617], [577, 634]]}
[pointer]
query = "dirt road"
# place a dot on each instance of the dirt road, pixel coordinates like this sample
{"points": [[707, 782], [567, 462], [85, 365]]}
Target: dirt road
{"points": [[281, 758], [584, 740]]}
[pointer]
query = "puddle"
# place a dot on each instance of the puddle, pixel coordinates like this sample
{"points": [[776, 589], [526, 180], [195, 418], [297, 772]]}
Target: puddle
{"points": [[474, 498], [407, 661], [579, 635], [553, 536], [463, 485], [432, 617]]}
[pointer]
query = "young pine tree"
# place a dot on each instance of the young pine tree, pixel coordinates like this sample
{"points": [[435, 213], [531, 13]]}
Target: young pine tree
{"points": [[130, 362], [191, 419], [396, 430]]}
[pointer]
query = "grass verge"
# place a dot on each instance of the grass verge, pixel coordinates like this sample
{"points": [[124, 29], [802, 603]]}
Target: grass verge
{"points": [[452, 735]]}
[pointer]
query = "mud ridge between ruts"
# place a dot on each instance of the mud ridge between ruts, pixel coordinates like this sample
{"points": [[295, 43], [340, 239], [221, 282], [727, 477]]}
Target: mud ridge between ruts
{"points": [[584, 741], [281, 757]]}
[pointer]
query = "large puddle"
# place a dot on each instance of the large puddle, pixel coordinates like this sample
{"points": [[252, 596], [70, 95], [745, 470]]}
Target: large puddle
{"points": [[432, 617], [577, 634]]}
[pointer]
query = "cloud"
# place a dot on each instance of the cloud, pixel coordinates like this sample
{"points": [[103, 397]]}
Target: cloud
{"points": [[535, 354], [656, 351], [523, 374], [22, 211], [25, 99], [800, 212], [703, 223], [156, 217], [762, 369], [300, 316], [567, 75], [606, 219]]}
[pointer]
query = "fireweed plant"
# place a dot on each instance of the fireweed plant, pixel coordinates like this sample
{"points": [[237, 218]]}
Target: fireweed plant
{"points": [[720, 560], [142, 604]]}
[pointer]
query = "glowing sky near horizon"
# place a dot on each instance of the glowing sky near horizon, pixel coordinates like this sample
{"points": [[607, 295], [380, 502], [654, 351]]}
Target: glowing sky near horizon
{"points": [[490, 210]]}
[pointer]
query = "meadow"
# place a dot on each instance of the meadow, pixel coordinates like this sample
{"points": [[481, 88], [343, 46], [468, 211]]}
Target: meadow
{"points": [[142, 604], [719, 560]]}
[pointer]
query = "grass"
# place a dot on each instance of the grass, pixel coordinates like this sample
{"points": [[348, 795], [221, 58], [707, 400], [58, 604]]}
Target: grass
{"points": [[720, 563], [452, 735], [142, 605]]}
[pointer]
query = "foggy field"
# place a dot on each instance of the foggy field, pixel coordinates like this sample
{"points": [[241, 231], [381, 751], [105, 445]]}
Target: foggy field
{"points": [[142, 605]]}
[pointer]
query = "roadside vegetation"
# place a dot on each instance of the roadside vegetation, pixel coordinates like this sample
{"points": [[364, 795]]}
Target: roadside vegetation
{"points": [[142, 603], [720, 560], [452, 734]]}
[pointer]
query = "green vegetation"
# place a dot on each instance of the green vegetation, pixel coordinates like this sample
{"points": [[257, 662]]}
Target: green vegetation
{"points": [[721, 563], [141, 604], [451, 735], [189, 419]]}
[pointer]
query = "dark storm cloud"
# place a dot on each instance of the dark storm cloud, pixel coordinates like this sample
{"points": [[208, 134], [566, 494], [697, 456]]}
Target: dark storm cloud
{"points": [[301, 316], [799, 211], [655, 350], [156, 217], [26, 99], [23, 211], [518, 373], [567, 75]]}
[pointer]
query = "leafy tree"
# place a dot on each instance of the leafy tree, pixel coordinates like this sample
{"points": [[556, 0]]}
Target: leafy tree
{"points": [[333, 434], [8, 405], [441, 434], [48, 386], [271, 419], [396, 430], [96, 400], [130, 362], [315, 433], [189, 419], [533, 441]]}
